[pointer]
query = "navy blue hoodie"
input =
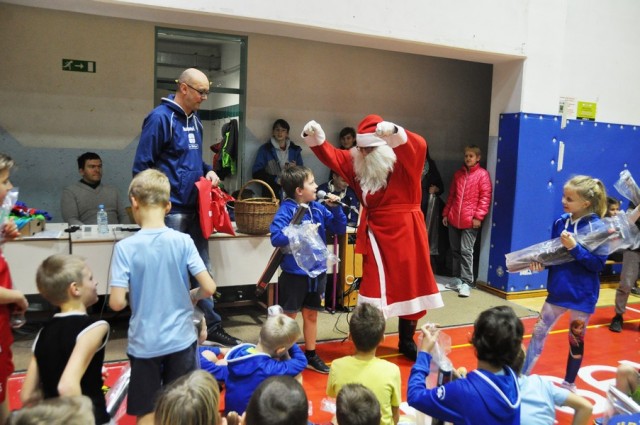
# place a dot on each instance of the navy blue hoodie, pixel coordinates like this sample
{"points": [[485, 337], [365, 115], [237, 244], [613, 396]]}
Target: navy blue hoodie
{"points": [[329, 219], [576, 284], [171, 141], [482, 398]]}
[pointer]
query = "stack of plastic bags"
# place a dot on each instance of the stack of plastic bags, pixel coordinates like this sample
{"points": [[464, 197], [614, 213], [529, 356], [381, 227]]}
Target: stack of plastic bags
{"points": [[616, 233]]}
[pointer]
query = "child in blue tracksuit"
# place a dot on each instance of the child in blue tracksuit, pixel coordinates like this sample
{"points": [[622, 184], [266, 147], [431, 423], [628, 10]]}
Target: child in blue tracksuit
{"points": [[296, 290], [490, 394], [275, 354], [573, 286]]}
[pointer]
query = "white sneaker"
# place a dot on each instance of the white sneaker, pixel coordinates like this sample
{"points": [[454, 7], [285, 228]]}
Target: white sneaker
{"points": [[465, 290], [454, 285], [569, 386]]}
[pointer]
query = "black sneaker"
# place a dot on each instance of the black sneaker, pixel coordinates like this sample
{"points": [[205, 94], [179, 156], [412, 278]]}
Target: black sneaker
{"points": [[616, 323], [635, 291], [220, 337], [314, 362]]}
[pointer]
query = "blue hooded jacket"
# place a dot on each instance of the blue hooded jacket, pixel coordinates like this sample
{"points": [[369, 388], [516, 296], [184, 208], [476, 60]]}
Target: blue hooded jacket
{"points": [[482, 398], [247, 368], [171, 141], [332, 220], [576, 285], [217, 371]]}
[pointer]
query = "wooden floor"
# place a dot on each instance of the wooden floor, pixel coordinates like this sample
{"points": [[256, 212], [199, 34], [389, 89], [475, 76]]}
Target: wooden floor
{"points": [[603, 352]]}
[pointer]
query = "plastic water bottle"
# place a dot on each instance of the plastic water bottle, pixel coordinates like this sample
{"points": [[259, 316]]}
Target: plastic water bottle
{"points": [[103, 221]]}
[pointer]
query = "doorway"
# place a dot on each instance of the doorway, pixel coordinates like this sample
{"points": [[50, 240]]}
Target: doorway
{"points": [[223, 59]]}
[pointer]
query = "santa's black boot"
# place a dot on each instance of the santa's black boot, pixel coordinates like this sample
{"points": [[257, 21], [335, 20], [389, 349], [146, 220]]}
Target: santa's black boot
{"points": [[406, 344]]}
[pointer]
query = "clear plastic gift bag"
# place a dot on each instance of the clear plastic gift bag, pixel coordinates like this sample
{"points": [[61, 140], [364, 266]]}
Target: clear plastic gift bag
{"points": [[614, 233], [117, 394], [7, 205], [627, 187], [308, 248], [433, 220], [440, 370]]}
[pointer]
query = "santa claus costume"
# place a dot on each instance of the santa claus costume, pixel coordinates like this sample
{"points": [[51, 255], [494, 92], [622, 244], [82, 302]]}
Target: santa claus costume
{"points": [[391, 236]]}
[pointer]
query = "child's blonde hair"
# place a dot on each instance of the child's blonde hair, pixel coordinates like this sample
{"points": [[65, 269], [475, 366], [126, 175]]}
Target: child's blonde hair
{"points": [[6, 162], [279, 331], [73, 410], [592, 190], [473, 148], [150, 187], [56, 273], [189, 400]]}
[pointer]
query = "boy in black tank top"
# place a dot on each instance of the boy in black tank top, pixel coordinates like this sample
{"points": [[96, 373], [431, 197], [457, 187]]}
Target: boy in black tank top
{"points": [[69, 350]]}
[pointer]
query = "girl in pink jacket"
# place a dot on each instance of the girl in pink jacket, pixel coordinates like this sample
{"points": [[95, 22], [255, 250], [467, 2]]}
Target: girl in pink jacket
{"points": [[467, 205]]}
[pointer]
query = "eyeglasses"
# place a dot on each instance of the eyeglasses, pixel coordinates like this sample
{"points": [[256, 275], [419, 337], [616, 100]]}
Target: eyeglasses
{"points": [[203, 93], [366, 149]]}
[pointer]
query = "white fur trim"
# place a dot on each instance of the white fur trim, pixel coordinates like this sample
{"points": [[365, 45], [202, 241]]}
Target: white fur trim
{"points": [[369, 140], [402, 308], [383, 276], [405, 308]]}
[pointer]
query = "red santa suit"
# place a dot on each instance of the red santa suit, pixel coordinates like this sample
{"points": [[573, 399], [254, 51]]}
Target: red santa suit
{"points": [[392, 235]]}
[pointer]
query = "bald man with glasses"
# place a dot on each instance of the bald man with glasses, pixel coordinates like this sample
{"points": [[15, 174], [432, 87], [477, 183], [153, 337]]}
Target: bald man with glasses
{"points": [[171, 141]]}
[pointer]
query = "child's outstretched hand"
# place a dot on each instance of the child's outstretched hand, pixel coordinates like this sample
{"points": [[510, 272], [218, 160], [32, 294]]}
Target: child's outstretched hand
{"points": [[430, 336]]}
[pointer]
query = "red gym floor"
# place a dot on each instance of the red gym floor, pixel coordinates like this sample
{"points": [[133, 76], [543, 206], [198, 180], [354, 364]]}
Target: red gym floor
{"points": [[603, 351]]}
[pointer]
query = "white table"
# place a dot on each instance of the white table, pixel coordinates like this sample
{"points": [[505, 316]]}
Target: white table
{"points": [[25, 255], [236, 260]]}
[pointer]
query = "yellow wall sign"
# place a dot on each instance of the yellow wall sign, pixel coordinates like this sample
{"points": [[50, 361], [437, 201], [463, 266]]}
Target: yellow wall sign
{"points": [[586, 111]]}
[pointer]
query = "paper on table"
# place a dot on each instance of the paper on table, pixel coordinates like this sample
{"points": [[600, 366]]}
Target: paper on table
{"points": [[45, 234]]}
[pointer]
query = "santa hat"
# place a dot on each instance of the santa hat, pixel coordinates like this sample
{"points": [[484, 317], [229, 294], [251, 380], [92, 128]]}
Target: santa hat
{"points": [[366, 137]]}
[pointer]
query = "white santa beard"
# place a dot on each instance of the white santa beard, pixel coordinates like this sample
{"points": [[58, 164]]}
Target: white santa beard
{"points": [[373, 169]]}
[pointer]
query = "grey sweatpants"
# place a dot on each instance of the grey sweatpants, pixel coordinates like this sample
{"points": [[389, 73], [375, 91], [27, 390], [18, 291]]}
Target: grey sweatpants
{"points": [[462, 242], [628, 277]]}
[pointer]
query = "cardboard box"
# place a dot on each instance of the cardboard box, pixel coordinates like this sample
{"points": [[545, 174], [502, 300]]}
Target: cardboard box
{"points": [[32, 227]]}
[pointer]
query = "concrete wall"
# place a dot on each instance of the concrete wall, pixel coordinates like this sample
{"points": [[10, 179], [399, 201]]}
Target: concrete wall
{"points": [[540, 50], [51, 116]]}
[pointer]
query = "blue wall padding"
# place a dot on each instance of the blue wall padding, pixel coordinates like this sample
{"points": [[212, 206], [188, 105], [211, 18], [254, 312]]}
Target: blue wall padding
{"points": [[528, 184]]}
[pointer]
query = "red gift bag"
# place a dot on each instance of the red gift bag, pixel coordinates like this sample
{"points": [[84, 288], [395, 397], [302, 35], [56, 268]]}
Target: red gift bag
{"points": [[213, 209]]}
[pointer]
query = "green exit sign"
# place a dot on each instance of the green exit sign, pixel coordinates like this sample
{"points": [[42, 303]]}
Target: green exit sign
{"points": [[78, 65]]}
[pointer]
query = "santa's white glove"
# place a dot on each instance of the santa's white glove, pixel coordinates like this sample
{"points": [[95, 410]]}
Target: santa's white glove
{"points": [[385, 128], [313, 134]]}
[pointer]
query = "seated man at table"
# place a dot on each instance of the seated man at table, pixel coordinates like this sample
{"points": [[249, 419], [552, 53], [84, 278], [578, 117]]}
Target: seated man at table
{"points": [[80, 200]]}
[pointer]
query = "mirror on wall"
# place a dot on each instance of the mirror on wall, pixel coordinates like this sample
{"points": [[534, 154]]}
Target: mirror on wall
{"points": [[223, 59]]}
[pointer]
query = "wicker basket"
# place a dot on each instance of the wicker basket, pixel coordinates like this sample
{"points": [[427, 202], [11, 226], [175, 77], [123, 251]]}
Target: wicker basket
{"points": [[254, 215]]}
